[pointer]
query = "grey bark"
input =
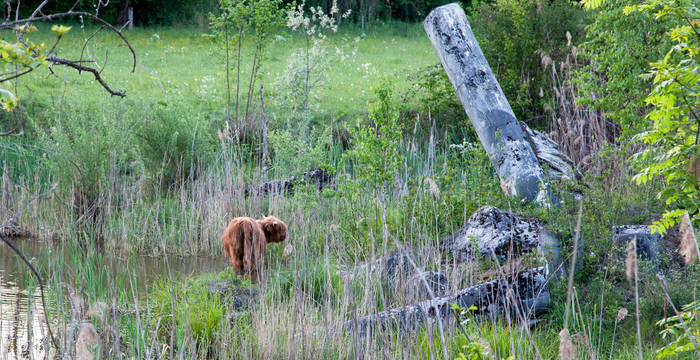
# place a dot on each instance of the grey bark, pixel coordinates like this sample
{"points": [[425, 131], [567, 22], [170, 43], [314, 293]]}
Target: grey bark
{"points": [[319, 177], [494, 232], [521, 296], [483, 100]]}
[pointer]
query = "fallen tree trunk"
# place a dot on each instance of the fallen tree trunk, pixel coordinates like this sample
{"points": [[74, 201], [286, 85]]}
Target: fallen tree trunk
{"points": [[319, 177], [500, 133], [521, 296]]}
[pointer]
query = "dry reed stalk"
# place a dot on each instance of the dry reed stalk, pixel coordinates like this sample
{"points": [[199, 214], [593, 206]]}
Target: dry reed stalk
{"points": [[572, 266], [631, 260], [689, 244], [621, 314], [632, 272], [567, 350], [579, 130]]}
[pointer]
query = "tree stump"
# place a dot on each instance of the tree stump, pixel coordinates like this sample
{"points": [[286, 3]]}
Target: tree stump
{"points": [[500, 133]]}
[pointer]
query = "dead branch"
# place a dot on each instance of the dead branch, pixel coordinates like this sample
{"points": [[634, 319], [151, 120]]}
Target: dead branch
{"points": [[76, 65]]}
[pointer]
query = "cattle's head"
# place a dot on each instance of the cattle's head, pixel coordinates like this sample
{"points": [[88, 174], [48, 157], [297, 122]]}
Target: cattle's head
{"points": [[275, 230]]}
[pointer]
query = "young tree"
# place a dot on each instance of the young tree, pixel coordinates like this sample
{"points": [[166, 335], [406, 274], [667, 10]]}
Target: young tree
{"points": [[255, 19], [673, 150]]}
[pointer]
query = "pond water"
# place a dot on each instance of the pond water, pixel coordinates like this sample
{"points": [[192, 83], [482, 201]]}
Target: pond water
{"points": [[19, 320]]}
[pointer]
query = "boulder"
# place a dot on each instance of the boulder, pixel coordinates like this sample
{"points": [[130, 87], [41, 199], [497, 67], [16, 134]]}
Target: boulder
{"points": [[647, 243], [232, 293]]}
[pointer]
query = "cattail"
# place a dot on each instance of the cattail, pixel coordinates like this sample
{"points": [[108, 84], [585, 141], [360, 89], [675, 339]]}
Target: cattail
{"points": [[621, 314], [432, 186], [288, 250], [631, 262], [567, 350], [689, 244], [87, 341]]}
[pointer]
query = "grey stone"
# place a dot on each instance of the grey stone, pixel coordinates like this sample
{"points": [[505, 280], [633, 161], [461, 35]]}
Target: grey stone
{"points": [[232, 293], [647, 243], [494, 231], [318, 177], [425, 285]]}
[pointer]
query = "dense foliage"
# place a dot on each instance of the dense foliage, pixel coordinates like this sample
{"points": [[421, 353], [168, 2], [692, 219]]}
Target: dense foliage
{"points": [[513, 34], [673, 136], [146, 12]]}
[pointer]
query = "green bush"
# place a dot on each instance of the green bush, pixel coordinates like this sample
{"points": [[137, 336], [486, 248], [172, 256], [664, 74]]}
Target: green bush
{"points": [[375, 156], [431, 92], [512, 34], [146, 12], [187, 306], [618, 50], [87, 157], [174, 144]]}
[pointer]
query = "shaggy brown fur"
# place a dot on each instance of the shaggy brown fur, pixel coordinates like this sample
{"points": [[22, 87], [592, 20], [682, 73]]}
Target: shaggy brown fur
{"points": [[245, 240]]}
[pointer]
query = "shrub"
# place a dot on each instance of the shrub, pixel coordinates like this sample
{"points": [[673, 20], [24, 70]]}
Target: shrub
{"points": [[174, 144], [510, 32], [618, 49], [375, 156]]}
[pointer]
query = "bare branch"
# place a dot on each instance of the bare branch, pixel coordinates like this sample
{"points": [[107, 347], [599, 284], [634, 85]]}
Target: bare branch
{"points": [[82, 51], [52, 17], [77, 65]]}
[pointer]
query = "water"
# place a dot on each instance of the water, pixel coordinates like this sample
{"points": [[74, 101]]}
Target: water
{"points": [[18, 319]]}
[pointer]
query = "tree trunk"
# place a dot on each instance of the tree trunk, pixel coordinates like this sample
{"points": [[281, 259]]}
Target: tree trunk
{"points": [[520, 296], [483, 100]]}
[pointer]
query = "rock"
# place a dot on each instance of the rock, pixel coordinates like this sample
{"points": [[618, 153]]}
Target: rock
{"points": [[493, 231], [385, 267], [415, 289], [522, 296], [232, 293], [319, 177], [13, 230], [497, 232], [647, 243], [549, 247], [88, 341]]}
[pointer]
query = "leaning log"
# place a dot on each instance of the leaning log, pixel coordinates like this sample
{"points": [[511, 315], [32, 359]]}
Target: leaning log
{"points": [[483, 100], [318, 177], [521, 296]]}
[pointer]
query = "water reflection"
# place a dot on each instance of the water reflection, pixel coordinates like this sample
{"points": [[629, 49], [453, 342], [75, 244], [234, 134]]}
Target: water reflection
{"points": [[22, 328]]}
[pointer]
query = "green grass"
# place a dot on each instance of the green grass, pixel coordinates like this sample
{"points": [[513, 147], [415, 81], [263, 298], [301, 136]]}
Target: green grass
{"points": [[180, 65]]}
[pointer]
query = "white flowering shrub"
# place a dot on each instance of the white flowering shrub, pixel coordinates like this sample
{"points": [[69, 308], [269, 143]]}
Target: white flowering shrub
{"points": [[307, 67]]}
